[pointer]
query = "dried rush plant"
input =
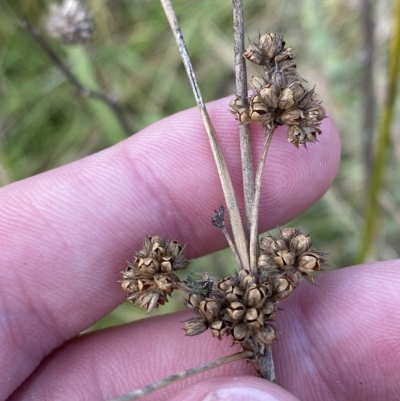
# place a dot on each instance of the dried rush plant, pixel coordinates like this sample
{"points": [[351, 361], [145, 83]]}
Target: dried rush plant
{"points": [[242, 305]]}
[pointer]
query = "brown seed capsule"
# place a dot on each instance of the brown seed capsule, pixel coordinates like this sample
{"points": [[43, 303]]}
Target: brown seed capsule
{"points": [[254, 54], [267, 335], [291, 116], [309, 262], [239, 332], [284, 55], [254, 318], [258, 110], [269, 95], [284, 259], [271, 44], [282, 289], [219, 328], [210, 309], [240, 109], [266, 243], [296, 135], [268, 310], [257, 82], [300, 243], [288, 233], [236, 311], [253, 295], [193, 302], [286, 99], [195, 326], [245, 278]]}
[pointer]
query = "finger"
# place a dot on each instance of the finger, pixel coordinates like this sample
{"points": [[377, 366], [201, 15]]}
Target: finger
{"points": [[65, 234], [338, 341], [240, 388]]}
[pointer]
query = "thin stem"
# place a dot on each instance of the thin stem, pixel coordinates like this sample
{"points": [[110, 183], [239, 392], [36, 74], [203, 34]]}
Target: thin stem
{"points": [[135, 395], [241, 91], [254, 245], [110, 101], [377, 177], [227, 187], [232, 246], [265, 365]]}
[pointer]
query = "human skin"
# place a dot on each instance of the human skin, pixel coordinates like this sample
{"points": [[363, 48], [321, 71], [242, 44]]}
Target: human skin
{"points": [[66, 235]]}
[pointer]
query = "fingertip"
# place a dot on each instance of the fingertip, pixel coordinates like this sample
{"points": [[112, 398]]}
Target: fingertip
{"points": [[236, 388]]}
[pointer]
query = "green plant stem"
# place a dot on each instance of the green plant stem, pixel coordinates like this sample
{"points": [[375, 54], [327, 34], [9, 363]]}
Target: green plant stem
{"points": [[372, 212], [223, 173]]}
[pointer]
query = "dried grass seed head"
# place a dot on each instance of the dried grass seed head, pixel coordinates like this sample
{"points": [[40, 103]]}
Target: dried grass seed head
{"points": [[280, 97], [70, 22], [149, 279]]}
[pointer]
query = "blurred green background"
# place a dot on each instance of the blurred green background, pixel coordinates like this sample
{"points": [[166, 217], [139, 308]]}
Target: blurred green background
{"points": [[342, 47]]}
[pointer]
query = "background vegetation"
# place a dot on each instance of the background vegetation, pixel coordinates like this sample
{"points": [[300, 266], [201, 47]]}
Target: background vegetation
{"points": [[45, 123]]}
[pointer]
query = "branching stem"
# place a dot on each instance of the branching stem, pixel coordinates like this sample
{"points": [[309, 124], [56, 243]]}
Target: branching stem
{"points": [[135, 395], [254, 245], [110, 101]]}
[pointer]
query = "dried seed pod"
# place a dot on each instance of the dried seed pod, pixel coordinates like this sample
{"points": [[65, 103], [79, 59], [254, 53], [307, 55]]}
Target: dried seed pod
{"points": [[148, 280], [209, 309], [254, 318], [282, 288], [253, 295], [195, 326], [257, 82], [70, 22], [219, 328], [271, 44], [291, 116], [239, 332], [236, 311], [254, 54], [267, 335], [284, 259], [259, 110], [300, 243], [284, 55], [240, 109], [269, 96], [310, 262]]}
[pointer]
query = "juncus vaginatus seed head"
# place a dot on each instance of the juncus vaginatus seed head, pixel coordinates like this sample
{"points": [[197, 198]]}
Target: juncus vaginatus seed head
{"points": [[70, 22], [149, 280], [279, 96]]}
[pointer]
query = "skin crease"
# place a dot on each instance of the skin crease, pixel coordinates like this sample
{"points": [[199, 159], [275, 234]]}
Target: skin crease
{"points": [[65, 237]]}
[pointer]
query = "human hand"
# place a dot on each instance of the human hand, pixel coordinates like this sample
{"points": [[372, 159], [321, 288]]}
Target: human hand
{"points": [[66, 235]]}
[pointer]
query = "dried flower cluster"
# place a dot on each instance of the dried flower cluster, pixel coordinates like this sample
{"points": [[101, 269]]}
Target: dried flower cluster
{"points": [[149, 279], [70, 22], [279, 96], [243, 306]]}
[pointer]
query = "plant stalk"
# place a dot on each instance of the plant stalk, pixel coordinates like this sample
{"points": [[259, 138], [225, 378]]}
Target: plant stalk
{"points": [[241, 92], [372, 212], [254, 245], [135, 395], [229, 194]]}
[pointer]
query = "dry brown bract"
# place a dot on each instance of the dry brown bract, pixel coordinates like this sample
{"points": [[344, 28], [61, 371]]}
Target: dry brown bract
{"points": [[279, 96]]}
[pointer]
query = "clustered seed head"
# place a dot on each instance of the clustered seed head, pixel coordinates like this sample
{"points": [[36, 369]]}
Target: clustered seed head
{"points": [[70, 22], [148, 280], [243, 306], [279, 96]]}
